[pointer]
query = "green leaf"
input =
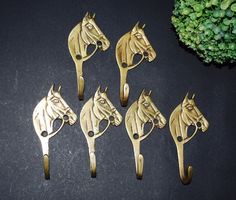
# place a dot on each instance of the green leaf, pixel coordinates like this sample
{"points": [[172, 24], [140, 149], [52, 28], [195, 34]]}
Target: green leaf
{"points": [[233, 7], [225, 4]]}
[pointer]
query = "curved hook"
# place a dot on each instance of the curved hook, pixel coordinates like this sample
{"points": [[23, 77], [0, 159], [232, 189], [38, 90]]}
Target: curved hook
{"points": [[124, 87], [91, 145], [185, 175], [45, 149]]}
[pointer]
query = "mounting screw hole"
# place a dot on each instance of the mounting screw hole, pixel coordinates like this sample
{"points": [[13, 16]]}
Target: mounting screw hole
{"points": [[111, 118], [78, 57], [44, 133], [90, 133], [179, 138], [135, 136], [99, 43], [145, 54], [66, 118], [124, 65]]}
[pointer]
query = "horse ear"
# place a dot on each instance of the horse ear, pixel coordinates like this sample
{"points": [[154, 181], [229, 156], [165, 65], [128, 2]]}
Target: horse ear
{"points": [[135, 27], [143, 26], [150, 92], [193, 96], [59, 89], [185, 98], [94, 15], [106, 89], [51, 90], [98, 90]]}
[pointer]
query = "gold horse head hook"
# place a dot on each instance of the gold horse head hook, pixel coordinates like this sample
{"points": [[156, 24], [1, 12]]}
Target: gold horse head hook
{"points": [[184, 115], [141, 112], [130, 44], [49, 109], [96, 109], [82, 35]]}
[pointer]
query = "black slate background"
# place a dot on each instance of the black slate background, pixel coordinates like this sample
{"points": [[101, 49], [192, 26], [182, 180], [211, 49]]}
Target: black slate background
{"points": [[34, 54]]}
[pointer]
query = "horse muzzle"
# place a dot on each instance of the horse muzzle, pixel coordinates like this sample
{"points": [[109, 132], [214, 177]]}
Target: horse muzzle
{"points": [[149, 55], [70, 117], [115, 119], [203, 124], [103, 44], [159, 121]]}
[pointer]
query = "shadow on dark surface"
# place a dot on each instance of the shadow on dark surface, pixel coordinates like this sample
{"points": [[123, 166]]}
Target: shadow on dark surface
{"points": [[191, 51]]}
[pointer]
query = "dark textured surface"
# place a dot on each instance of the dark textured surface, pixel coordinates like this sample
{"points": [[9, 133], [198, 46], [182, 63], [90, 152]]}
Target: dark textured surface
{"points": [[34, 54]]}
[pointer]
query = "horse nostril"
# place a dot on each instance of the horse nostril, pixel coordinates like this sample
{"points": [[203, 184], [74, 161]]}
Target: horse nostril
{"points": [[99, 43], [44, 133], [65, 118]]}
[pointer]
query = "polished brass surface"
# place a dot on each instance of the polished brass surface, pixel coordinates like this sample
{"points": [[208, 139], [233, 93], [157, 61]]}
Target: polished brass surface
{"points": [[95, 110], [82, 35], [132, 43], [51, 108], [141, 112], [184, 115]]}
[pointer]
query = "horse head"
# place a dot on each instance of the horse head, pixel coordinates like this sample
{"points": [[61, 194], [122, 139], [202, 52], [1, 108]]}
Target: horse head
{"points": [[148, 112], [139, 43], [91, 33], [191, 115], [104, 109], [57, 108]]}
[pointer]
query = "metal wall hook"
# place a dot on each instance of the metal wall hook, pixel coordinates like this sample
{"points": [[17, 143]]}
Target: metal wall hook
{"points": [[50, 108], [141, 112], [130, 44], [95, 110], [184, 115], [82, 35]]}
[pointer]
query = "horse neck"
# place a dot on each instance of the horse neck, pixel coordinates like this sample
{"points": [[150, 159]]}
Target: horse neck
{"points": [[177, 125], [81, 43], [137, 124], [126, 54], [91, 120]]}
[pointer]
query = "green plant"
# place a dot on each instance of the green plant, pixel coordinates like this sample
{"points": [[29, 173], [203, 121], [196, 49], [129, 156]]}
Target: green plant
{"points": [[208, 27]]}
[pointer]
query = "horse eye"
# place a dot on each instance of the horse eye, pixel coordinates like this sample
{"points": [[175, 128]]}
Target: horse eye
{"points": [[56, 101], [146, 104], [138, 36], [190, 107], [102, 101], [89, 26]]}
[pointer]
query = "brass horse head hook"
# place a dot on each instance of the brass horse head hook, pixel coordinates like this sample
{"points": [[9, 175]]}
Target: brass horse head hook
{"points": [[95, 110], [184, 115], [141, 112], [82, 35], [132, 43], [49, 109]]}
